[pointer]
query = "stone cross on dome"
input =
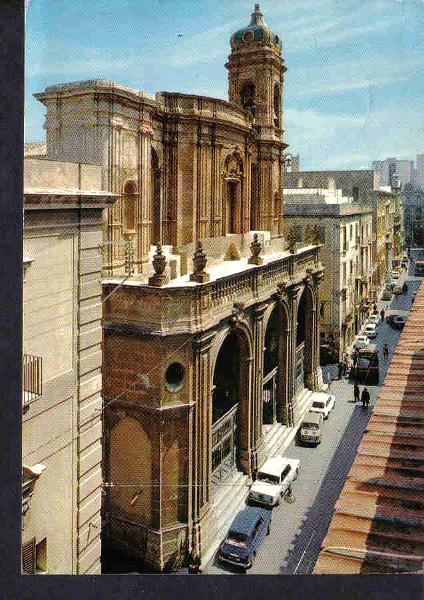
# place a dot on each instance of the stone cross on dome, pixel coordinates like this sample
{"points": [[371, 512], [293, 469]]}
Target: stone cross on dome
{"points": [[257, 16]]}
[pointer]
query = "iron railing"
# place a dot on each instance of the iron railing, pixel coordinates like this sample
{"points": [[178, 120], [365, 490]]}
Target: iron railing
{"points": [[32, 378]]}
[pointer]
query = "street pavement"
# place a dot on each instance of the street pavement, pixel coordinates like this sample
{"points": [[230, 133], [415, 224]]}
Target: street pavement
{"points": [[298, 529]]}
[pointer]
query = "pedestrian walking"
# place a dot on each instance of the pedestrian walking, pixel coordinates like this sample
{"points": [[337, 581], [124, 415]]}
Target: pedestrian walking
{"points": [[365, 397], [405, 288], [382, 314], [355, 357], [340, 370], [356, 391], [386, 351], [375, 308]]}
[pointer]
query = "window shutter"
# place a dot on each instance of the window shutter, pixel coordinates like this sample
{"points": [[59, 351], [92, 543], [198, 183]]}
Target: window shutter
{"points": [[28, 557]]}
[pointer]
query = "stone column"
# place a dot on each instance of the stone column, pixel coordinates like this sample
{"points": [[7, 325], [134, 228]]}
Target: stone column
{"points": [[202, 442], [290, 413], [245, 409], [257, 377]]}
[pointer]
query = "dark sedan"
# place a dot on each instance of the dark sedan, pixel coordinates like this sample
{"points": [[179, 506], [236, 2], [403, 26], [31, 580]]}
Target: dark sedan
{"points": [[245, 536]]}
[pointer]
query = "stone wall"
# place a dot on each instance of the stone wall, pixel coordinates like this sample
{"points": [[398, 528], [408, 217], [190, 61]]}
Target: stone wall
{"points": [[62, 429], [40, 173]]}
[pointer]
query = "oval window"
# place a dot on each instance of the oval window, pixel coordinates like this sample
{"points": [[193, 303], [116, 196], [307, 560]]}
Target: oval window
{"points": [[174, 376]]}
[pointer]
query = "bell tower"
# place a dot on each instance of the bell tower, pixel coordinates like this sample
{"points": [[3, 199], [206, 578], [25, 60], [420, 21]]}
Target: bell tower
{"points": [[255, 82], [256, 72]]}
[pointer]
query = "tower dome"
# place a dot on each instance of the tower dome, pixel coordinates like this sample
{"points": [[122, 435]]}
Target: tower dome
{"points": [[257, 32]]}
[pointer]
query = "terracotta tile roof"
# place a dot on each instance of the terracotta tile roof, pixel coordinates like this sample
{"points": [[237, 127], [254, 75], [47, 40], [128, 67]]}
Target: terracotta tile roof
{"points": [[378, 522]]}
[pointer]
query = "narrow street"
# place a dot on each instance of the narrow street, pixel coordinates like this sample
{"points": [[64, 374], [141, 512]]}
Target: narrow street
{"points": [[298, 529]]}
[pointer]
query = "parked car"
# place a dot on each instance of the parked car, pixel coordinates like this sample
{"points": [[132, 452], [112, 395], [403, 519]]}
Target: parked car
{"points": [[397, 290], [328, 355], [374, 320], [323, 403], [389, 285], [310, 431], [367, 368], [245, 536], [398, 322], [273, 480], [386, 295], [361, 341], [370, 330], [405, 262], [395, 275]]}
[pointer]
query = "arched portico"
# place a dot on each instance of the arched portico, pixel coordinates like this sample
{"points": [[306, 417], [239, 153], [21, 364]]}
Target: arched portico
{"points": [[230, 406], [275, 369], [305, 336]]}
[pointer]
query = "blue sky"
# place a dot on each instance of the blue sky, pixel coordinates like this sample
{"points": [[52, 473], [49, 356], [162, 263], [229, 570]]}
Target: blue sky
{"points": [[353, 91]]}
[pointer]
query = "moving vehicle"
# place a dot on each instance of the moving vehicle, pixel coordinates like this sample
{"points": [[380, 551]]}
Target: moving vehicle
{"points": [[370, 330], [310, 431], [396, 318], [419, 268], [367, 369], [399, 322], [373, 319], [323, 403], [395, 275], [361, 341], [397, 290], [386, 295], [245, 536], [274, 478], [405, 262]]}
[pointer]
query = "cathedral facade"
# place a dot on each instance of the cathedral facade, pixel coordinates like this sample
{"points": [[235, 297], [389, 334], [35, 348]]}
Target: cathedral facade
{"points": [[210, 346]]}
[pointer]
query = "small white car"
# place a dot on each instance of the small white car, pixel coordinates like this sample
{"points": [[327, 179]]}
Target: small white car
{"points": [[395, 275], [323, 403], [374, 319], [370, 330], [274, 478], [361, 342]]}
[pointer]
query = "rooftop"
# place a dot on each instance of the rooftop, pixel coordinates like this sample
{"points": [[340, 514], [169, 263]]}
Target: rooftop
{"points": [[378, 522]]}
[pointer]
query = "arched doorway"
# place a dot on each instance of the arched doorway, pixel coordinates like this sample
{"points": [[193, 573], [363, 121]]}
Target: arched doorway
{"points": [[304, 339], [274, 381], [156, 200], [230, 400]]}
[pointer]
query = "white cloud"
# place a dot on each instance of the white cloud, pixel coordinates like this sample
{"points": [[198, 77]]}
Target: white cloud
{"points": [[328, 141], [336, 88]]}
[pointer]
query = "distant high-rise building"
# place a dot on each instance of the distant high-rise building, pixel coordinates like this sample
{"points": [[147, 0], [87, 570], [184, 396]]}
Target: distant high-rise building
{"points": [[420, 170], [390, 169]]}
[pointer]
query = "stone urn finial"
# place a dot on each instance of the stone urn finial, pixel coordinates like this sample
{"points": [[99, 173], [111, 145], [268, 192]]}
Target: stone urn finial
{"points": [[159, 263], [199, 263], [255, 250]]}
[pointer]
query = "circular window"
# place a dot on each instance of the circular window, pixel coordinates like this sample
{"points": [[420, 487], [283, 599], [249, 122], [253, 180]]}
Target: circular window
{"points": [[174, 376]]}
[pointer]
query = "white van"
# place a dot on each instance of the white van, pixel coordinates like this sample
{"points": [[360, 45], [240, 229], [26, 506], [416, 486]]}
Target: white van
{"points": [[274, 478]]}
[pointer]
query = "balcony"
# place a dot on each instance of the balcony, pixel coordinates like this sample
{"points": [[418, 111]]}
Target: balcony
{"points": [[32, 379]]}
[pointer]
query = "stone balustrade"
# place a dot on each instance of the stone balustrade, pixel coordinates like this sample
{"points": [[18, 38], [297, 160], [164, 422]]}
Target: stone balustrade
{"points": [[186, 307]]}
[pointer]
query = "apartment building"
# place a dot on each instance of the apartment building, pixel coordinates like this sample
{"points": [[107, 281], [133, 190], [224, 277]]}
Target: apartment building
{"points": [[62, 381], [344, 230]]}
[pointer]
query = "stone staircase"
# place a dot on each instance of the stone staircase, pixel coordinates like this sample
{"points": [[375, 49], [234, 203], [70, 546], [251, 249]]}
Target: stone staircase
{"points": [[231, 498], [278, 436], [227, 502]]}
